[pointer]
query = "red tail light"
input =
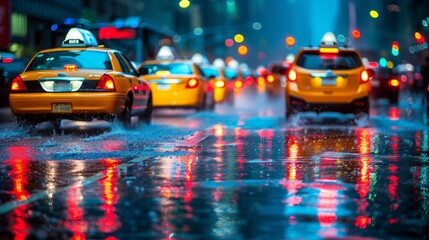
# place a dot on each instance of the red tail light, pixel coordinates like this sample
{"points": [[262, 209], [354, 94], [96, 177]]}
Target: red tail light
{"points": [[270, 78], [364, 76], [250, 80], [17, 84], [238, 84], [292, 76], [192, 83], [106, 83], [394, 82]]}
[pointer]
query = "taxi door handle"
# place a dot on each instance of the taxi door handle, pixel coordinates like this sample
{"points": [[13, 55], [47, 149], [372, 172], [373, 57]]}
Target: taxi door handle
{"points": [[130, 80]]}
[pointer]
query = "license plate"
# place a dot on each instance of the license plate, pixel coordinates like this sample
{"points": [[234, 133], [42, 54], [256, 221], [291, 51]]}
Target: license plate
{"points": [[62, 86], [61, 108], [163, 86], [329, 81]]}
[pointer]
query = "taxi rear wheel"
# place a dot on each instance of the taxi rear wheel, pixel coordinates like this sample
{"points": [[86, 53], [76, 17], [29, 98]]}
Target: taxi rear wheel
{"points": [[146, 117], [125, 117]]}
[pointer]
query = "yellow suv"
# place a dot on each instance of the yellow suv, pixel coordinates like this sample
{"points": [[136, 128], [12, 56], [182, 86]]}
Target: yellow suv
{"points": [[328, 78]]}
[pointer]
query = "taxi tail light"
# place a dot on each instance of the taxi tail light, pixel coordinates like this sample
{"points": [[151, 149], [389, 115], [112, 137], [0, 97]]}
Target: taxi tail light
{"points": [[17, 84], [270, 78], [220, 84], [192, 83], [238, 84], [364, 76], [394, 82], [291, 76], [106, 83], [260, 81]]}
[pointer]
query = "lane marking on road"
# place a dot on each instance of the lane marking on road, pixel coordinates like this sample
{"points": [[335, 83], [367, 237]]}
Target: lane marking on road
{"points": [[9, 206]]}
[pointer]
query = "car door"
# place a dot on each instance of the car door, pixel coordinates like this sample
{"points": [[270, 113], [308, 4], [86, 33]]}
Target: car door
{"points": [[139, 87]]}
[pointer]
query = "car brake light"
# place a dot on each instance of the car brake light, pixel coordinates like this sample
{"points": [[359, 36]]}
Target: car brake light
{"points": [[192, 83], [270, 78], [106, 83], [17, 84], [329, 50], [238, 84], [220, 84], [260, 81], [292, 75], [394, 82], [70, 67], [364, 76], [249, 80]]}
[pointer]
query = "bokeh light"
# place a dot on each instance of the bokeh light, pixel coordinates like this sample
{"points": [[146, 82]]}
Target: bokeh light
{"points": [[242, 50], [373, 14], [184, 3], [238, 38], [229, 42]]}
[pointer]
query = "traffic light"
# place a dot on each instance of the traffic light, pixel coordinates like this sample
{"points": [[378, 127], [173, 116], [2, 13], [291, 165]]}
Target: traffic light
{"points": [[395, 48], [419, 37], [290, 41]]}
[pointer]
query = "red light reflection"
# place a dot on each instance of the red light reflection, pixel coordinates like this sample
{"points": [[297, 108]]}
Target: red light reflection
{"points": [[363, 184], [109, 222], [19, 160]]}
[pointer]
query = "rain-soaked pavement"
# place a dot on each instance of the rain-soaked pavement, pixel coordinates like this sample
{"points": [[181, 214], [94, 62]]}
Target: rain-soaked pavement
{"points": [[240, 172]]}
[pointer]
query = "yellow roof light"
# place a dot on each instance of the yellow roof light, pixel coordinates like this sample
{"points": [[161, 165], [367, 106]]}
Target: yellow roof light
{"points": [[78, 37], [329, 39], [329, 50]]}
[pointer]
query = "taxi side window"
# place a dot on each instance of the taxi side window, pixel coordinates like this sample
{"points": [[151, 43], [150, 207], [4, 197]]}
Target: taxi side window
{"points": [[125, 67]]}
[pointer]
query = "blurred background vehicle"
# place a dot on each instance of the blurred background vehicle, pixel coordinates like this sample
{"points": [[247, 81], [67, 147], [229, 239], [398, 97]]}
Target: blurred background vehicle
{"points": [[385, 84], [178, 83], [223, 88], [276, 78], [10, 67]]}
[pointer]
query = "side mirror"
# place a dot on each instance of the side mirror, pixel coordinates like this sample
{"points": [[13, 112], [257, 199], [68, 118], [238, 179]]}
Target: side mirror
{"points": [[143, 71]]}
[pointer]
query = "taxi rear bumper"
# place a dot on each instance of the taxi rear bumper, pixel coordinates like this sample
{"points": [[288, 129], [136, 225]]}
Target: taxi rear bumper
{"points": [[82, 105]]}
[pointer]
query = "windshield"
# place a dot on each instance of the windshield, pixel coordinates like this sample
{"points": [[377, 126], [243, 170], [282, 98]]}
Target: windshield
{"points": [[82, 59], [319, 61], [172, 68]]}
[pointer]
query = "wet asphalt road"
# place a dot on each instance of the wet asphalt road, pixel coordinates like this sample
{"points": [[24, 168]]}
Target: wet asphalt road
{"points": [[240, 172]]}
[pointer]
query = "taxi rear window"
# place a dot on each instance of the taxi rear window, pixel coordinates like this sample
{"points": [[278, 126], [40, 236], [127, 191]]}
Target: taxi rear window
{"points": [[324, 61], [82, 59], [172, 68], [208, 71]]}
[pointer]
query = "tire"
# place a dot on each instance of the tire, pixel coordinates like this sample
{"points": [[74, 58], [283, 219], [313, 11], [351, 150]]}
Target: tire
{"points": [[125, 117], [146, 117]]}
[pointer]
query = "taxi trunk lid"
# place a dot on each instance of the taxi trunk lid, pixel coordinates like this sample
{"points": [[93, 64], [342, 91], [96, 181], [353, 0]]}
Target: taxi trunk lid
{"points": [[329, 80]]}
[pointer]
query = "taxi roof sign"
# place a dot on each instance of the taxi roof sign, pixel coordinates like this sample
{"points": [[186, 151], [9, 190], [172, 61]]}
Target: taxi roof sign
{"points": [[78, 37], [329, 39]]}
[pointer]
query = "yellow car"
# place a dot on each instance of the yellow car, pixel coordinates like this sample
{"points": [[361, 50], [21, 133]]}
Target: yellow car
{"points": [[328, 78], [79, 81], [223, 88], [275, 78], [178, 84]]}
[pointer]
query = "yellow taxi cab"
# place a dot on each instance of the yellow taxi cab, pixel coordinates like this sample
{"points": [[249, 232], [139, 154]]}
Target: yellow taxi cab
{"points": [[79, 81], [223, 88], [178, 83], [328, 78]]}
